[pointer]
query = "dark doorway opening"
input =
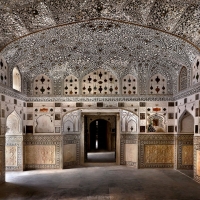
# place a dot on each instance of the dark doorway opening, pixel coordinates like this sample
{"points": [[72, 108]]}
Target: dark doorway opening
{"points": [[100, 142]]}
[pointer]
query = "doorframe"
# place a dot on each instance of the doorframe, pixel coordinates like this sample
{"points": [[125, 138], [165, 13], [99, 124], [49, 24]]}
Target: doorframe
{"points": [[114, 112]]}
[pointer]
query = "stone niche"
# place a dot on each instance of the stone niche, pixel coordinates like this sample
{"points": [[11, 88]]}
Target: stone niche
{"points": [[44, 124]]}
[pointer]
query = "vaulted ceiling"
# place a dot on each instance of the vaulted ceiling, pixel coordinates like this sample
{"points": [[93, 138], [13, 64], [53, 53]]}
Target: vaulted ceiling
{"points": [[123, 36]]}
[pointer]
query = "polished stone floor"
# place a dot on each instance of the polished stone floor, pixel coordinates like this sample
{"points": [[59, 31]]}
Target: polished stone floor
{"points": [[110, 182]]}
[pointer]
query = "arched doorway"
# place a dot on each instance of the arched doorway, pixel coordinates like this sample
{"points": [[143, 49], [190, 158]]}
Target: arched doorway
{"points": [[14, 143], [101, 139], [185, 143]]}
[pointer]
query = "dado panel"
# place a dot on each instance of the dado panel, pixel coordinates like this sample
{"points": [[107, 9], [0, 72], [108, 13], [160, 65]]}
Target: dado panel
{"points": [[156, 151], [43, 152]]}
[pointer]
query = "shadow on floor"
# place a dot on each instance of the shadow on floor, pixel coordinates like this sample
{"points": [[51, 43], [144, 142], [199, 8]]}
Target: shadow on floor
{"points": [[101, 157]]}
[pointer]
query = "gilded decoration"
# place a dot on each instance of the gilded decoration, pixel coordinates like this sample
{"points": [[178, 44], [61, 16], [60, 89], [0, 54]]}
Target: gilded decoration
{"points": [[40, 154], [159, 154]]}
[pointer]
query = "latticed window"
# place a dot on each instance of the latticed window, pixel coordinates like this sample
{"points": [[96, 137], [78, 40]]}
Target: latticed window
{"points": [[3, 71], [196, 71], [100, 82], [183, 79], [71, 85], [129, 85], [158, 84], [42, 85]]}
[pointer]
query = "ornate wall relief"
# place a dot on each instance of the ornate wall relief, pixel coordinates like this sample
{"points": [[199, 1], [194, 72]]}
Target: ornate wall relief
{"points": [[43, 152], [187, 155], [156, 151], [42, 85], [158, 84], [196, 70], [159, 154], [156, 123], [100, 82], [129, 150], [13, 124], [14, 153], [11, 155], [71, 150], [71, 122], [44, 124], [197, 158], [129, 122], [71, 85], [3, 71], [16, 79], [129, 85], [39, 154], [2, 159]]}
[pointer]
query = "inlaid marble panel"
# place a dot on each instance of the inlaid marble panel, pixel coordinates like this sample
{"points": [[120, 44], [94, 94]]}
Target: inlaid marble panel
{"points": [[40, 154], [187, 155], [159, 153], [11, 155], [69, 153], [131, 152]]}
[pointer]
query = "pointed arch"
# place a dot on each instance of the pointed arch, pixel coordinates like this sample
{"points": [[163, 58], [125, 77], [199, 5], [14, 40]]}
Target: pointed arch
{"points": [[16, 79], [183, 79], [13, 124], [186, 123]]}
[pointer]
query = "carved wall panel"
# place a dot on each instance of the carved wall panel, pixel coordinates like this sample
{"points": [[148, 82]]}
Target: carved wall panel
{"points": [[184, 151], [156, 151], [159, 154], [129, 150], [14, 153], [197, 159], [69, 153], [11, 155], [2, 159], [100, 82], [71, 150], [187, 155], [39, 154], [43, 152]]}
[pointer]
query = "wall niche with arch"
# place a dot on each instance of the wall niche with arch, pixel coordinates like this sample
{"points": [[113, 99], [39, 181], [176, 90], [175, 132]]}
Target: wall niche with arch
{"points": [[16, 77], [156, 123], [44, 124], [71, 122], [14, 143], [186, 123], [129, 122]]}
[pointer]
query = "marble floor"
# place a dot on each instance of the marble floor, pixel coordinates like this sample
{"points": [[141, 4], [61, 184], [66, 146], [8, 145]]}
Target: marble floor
{"points": [[101, 156], [92, 183]]}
